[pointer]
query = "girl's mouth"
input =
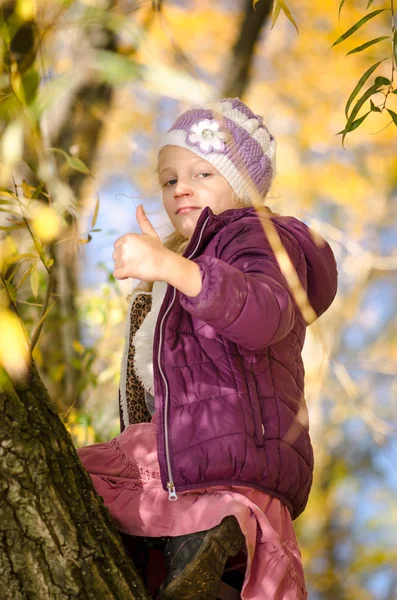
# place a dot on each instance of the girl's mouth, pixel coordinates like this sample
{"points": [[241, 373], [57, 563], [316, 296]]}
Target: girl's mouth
{"points": [[186, 209]]}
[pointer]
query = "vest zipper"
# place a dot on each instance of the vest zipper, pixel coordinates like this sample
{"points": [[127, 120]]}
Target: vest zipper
{"points": [[172, 496]]}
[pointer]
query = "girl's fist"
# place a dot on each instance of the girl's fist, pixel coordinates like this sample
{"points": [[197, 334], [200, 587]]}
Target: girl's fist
{"points": [[141, 255]]}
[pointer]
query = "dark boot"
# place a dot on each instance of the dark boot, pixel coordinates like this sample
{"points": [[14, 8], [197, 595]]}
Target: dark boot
{"points": [[196, 561]]}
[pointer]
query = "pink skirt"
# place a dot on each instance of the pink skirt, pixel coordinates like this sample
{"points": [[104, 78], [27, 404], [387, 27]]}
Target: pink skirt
{"points": [[125, 472]]}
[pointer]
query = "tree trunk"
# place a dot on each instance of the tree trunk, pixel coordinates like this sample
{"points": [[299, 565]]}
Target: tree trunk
{"points": [[239, 70], [57, 539], [81, 128]]}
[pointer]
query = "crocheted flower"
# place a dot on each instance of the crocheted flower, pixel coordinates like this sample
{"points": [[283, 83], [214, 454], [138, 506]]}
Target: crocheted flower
{"points": [[207, 136]]}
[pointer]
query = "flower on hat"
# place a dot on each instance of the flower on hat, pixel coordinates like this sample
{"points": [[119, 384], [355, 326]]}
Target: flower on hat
{"points": [[207, 135]]}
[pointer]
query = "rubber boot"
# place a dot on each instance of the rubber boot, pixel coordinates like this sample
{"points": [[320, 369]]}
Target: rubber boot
{"points": [[196, 561]]}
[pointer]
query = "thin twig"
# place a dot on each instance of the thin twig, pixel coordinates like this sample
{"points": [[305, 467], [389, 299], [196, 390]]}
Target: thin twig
{"points": [[38, 329], [14, 306], [39, 250]]}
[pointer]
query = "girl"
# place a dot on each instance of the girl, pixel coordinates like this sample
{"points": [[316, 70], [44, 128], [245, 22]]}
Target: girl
{"points": [[215, 448]]}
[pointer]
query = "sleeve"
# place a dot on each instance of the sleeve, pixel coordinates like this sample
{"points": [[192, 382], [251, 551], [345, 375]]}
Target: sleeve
{"points": [[244, 296]]}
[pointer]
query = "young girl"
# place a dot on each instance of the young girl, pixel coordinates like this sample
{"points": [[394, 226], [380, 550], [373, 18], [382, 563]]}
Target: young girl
{"points": [[215, 454]]}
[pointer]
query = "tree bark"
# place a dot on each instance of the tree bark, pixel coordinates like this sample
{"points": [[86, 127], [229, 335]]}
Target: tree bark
{"points": [[239, 69], [57, 539]]}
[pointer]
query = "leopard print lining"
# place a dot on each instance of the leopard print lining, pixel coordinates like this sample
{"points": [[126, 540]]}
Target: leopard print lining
{"points": [[134, 391]]}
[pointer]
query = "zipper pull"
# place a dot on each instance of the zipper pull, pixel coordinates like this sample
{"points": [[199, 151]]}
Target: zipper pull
{"points": [[171, 492]]}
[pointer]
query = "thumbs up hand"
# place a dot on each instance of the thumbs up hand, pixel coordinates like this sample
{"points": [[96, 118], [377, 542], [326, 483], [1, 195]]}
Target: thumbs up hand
{"points": [[141, 255]]}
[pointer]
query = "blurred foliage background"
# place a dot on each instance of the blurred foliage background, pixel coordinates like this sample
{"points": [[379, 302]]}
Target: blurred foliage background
{"points": [[87, 88]]}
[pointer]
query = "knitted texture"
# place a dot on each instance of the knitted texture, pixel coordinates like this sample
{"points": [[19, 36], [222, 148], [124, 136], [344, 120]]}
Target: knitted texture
{"points": [[234, 140]]}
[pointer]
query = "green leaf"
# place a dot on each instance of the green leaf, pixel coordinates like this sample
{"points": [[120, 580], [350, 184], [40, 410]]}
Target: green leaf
{"points": [[340, 7], [360, 84], [359, 24], [12, 227], [368, 44], [30, 82], [95, 215], [38, 191], [393, 115], [116, 69], [78, 165], [354, 125], [60, 151], [73, 161], [382, 81], [374, 108], [370, 91], [394, 91], [369, 4], [9, 211]]}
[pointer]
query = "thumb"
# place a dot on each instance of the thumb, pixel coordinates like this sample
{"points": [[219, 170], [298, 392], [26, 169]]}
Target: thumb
{"points": [[144, 223]]}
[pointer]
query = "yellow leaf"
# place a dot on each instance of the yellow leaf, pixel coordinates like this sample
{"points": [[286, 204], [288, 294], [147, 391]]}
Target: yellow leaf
{"points": [[34, 282], [25, 276], [26, 9], [14, 350], [27, 192], [82, 435], [14, 259], [45, 223], [281, 5], [84, 241], [7, 249], [95, 216], [276, 12], [12, 143], [17, 84], [38, 356], [43, 317], [72, 416], [7, 194], [78, 346]]}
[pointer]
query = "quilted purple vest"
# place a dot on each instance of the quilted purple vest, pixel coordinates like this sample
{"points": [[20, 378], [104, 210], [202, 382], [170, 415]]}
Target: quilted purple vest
{"points": [[228, 372]]}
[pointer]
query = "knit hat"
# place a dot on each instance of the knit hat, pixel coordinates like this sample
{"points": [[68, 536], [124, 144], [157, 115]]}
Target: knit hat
{"points": [[231, 137]]}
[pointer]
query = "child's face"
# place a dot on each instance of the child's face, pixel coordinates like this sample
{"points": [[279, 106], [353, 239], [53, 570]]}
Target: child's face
{"points": [[189, 184]]}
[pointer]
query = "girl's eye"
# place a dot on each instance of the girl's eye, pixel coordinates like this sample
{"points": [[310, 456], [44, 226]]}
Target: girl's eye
{"points": [[170, 182], [205, 175]]}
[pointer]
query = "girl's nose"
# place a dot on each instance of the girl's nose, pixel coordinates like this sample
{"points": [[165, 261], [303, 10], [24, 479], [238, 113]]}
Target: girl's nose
{"points": [[182, 188]]}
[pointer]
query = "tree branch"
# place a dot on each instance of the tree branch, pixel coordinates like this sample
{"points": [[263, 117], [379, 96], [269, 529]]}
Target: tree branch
{"points": [[242, 54]]}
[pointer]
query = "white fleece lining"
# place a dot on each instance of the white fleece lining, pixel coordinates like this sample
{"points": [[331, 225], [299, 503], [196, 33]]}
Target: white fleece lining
{"points": [[144, 337]]}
